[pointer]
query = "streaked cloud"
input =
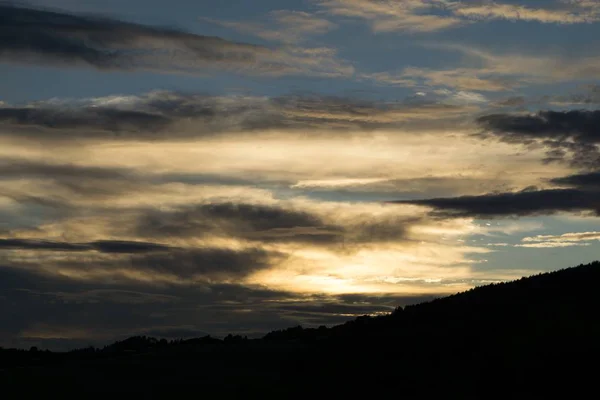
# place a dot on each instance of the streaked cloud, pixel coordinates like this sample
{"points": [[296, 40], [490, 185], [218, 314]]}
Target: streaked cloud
{"points": [[172, 267], [285, 26], [526, 202], [103, 246], [165, 115], [386, 16], [459, 78], [561, 12], [589, 180], [565, 240], [551, 245], [435, 15], [487, 71], [39, 36]]}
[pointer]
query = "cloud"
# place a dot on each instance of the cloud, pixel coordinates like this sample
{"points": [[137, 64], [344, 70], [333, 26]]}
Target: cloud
{"points": [[513, 101], [282, 26], [136, 264], [411, 16], [589, 96], [551, 245], [71, 183], [436, 15], [214, 263], [565, 133], [465, 79], [103, 246], [564, 240], [382, 188], [577, 124], [527, 202], [107, 295], [590, 180], [171, 116], [68, 185], [569, 13], [483, 70], [272, 223], [11, 168], [109, 119], [42, 37]]}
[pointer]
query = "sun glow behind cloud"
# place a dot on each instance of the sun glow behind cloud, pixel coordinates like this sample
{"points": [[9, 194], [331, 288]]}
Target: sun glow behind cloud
{"points": [[335, 247]]}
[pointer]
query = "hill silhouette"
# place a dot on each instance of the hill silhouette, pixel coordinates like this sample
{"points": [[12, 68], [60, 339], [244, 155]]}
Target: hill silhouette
{"points": [[536, 337]]}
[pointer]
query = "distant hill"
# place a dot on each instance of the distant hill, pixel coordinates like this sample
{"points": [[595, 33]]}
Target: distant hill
{"points": [[531, 338]]}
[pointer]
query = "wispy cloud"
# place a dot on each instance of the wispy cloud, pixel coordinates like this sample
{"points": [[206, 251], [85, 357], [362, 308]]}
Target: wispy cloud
{"points": [[564, 240], [482, 70], [561, 12], [386, 16], [435, 15], [282, 26], [459, 78], [551, 245]]}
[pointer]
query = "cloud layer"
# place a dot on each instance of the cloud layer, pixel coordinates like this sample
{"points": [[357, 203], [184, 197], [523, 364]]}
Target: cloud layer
{"points": [[167, 115]]}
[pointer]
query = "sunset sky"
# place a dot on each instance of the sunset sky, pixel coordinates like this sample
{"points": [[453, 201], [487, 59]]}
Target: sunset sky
{"points": [[190, 167]]}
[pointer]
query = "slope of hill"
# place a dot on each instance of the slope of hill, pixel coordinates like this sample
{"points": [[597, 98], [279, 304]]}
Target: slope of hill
{"points": [[529, 338]]}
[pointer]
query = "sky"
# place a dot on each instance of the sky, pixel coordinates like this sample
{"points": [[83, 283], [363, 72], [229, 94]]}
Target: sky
{"points": [[184, 168]]}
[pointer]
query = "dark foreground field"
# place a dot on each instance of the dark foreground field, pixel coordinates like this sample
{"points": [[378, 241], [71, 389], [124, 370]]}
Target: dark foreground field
{"points": [[538, 337]]}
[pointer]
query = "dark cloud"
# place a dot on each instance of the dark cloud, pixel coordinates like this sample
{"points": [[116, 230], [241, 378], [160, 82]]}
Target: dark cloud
{"points": [[104, 246], [32, 244], [214, 263], [72, 181], [527, 202], [173, 116], [140, 262], [579, 124], [36, 35], [105, 119], [12, 168], [249, 221], [269, 223], [107, 295], [573, 133], [589, 180], [122, 246]]}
